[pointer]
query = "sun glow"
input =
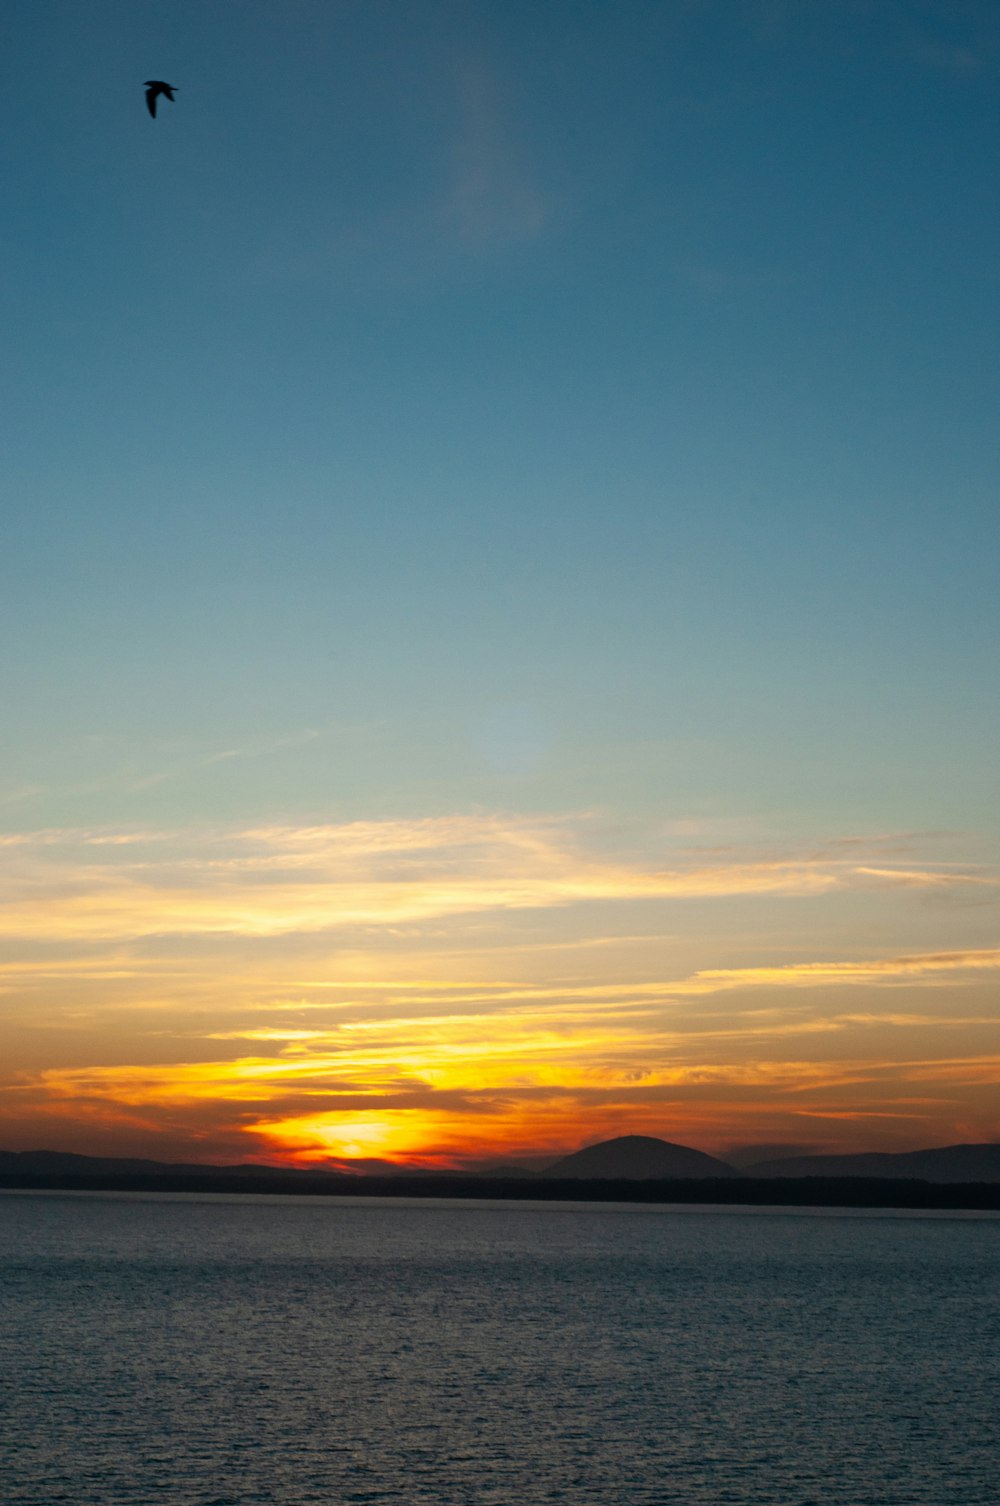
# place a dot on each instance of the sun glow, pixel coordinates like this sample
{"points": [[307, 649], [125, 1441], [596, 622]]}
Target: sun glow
{"points": [[405, 1137], [445, 991]]}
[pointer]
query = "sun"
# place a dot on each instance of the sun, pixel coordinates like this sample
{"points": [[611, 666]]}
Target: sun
{"points": [[337, 1137]]}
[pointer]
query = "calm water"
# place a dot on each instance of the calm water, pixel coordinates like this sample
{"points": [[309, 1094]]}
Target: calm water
{"points": [[234, 1351]]}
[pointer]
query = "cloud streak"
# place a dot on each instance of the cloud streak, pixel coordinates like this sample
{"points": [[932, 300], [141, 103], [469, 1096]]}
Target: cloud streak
{"points": [[272, 881], [409, 987]]}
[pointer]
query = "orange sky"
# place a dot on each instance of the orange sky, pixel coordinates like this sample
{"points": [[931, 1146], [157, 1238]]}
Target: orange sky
{"points": [[482, 987]]}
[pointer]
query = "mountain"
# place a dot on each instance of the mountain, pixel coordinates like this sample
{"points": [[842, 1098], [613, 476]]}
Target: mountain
{"points": [[638, 1158], [67, 1164], [60, 1161], [627, 1158], [947, 1163]]}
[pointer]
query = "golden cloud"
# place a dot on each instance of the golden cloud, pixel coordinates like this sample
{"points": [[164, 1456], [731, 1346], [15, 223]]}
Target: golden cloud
{"points": [[280, 980], [282, 880]]}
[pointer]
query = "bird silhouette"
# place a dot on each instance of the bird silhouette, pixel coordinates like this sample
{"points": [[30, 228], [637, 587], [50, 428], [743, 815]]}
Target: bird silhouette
{"points": [[154, 88]]}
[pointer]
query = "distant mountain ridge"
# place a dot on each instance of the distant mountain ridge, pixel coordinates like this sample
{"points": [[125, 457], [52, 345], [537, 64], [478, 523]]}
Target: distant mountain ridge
{"points": [[635, 1158], [68, 1162], [946, 1163]]}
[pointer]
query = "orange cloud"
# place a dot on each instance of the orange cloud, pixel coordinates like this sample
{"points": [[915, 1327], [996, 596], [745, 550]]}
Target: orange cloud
{"points": [[424, 986]]}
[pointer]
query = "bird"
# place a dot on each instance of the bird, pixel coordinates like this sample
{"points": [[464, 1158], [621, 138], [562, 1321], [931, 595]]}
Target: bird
{"points": [[154, 88]]}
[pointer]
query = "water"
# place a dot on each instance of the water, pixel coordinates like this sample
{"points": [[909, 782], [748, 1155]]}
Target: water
{"points": [[236, 1351]]}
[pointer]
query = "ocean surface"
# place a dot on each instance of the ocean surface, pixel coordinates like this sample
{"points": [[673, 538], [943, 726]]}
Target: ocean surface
{"points": [[236, 1351]]}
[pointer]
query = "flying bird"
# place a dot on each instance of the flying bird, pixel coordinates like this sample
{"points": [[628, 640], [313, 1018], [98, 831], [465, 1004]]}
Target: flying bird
{"points": [[154, 88]]}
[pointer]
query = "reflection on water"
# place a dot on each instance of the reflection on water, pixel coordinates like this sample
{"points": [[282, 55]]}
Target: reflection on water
{"points": [[222, 1351]]}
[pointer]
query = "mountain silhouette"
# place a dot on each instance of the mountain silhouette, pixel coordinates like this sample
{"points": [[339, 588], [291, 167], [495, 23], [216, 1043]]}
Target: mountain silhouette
{"points": [[639, 1158], [70, 1163], [634, 1158], [947, 1163]]}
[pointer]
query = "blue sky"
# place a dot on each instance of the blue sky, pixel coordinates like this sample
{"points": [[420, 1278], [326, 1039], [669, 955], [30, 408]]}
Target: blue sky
{"points": [[555, 409]]}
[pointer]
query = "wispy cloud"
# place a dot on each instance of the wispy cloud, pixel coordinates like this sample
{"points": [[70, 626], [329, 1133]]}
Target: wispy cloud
{"points": [[192, 762], [282, 880], [470, 975], [70, 837], [493, 197], [874, 970], [478, 192], [21, 793], [928, 878]]}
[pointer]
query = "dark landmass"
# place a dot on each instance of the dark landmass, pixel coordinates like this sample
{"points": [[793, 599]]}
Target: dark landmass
{"points": [[948, 1163], [641, 1157], [506, 1171], [625, 1158], [68, 1163], [56, 1171]]}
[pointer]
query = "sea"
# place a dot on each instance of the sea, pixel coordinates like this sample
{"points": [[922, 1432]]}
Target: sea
{"points": [[175, 1350]]}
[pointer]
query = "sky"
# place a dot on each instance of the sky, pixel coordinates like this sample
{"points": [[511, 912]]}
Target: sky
{"points": [[498, 584]]}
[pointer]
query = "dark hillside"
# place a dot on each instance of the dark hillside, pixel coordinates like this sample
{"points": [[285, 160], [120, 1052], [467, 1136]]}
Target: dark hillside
{"points": [[638, 1158]]}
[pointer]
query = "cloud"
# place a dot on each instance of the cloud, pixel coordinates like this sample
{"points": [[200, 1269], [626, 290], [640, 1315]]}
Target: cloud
{"points": [[484, 969], [191, 763], [493, 199], [286, 880], [476, 192], [21, 793], [874, 970], [928, 878], [476, 1040], [69, 837]]}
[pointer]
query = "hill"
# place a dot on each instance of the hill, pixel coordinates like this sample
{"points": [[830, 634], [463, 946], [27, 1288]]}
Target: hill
{"points": [[638, 1158], [67, 1163], [647, 1163], [947, 1163]]}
